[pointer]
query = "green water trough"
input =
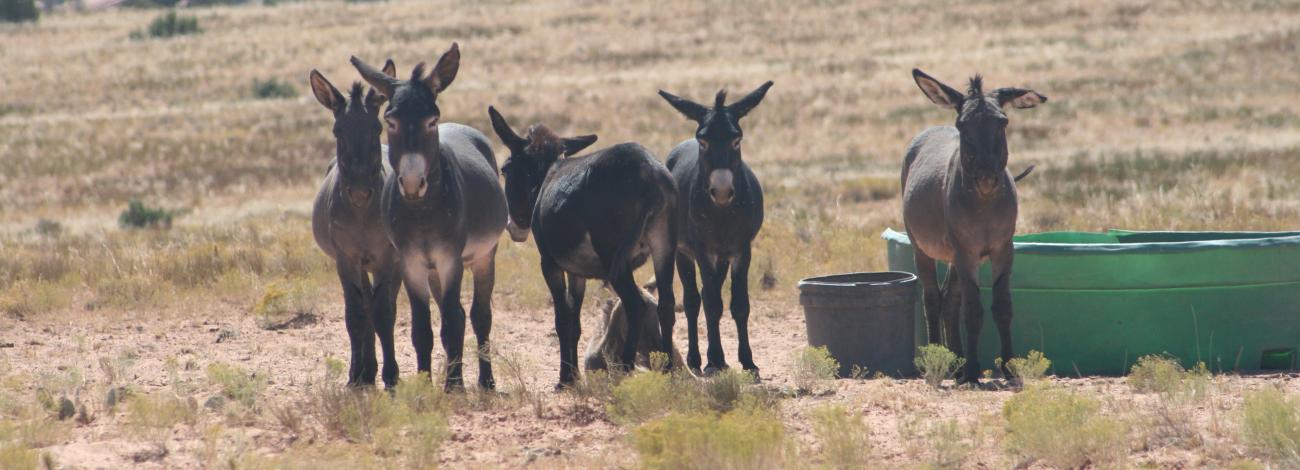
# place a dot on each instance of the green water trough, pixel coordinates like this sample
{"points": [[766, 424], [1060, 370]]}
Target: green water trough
{"points": [[1095, 302]]}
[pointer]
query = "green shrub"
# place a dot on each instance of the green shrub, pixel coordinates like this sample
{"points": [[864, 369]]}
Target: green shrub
{"points": [[284, 303], [843, 437], [748, 437], [1271, 424], [1063, 429], [138, 215], [273, 88], [936, 363], [169, 25], [1031, 368], [154, 416], [814, 368], [1164, 375], [725, 389], [236, 383], [18, 11], [640, 397]]}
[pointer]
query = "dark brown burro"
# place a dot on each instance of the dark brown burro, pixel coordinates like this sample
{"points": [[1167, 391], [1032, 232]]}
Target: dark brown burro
{"points": [[598, 216], [443, 209], [345, 224], [721, 212], [959, 206]]}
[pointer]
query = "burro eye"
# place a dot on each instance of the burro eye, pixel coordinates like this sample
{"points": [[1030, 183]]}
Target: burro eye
{"points": [[735, 143], [704, 145]]}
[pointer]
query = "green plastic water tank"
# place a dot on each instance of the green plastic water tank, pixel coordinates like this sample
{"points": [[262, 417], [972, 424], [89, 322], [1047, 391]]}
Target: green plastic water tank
{"points": [[1095, 302]]}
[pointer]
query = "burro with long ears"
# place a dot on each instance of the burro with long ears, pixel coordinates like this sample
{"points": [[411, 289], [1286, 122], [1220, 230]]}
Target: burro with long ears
{"points": [[959, 206], [345, 223], [598, 216], [721, 213], [443, 209]]}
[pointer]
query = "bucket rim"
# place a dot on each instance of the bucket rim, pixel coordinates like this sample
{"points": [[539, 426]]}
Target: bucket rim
{"points": [[898, 277]]}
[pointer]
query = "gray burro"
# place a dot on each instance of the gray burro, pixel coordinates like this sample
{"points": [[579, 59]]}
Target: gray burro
{"points": [[959, 206]]}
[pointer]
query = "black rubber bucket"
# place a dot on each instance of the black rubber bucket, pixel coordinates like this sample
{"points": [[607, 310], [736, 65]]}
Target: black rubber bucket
{"points": [[864, 319]]}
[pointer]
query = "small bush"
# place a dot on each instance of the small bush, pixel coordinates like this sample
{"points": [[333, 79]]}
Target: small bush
{"points": [[285, 303], [28, 298], [726, 388], [128, 291], [1063, 429], [936, 363], [272, 88], [237, 384], [640, 397], [814, 368], [49, 228], [155, 415], [138, 215], [1271, 424], [843, 437], [1164, 375], [748, 437], [169, 25], [1031, 368], [18, 11]]}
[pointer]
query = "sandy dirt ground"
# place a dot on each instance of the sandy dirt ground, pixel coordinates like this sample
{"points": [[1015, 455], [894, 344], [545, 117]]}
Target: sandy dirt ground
{"points": [[571, 431]]}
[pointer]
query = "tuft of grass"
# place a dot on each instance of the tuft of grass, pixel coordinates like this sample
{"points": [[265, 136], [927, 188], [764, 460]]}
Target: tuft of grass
{"points": [[642, 396], [814, 368], [726, 389], [843, 437], [169, 25], [237, 384], [1063, 429], [285, 303], [272, 88], [29, 298], [748, 437], [1031, 368], [138, 215], [1270, 424], [936, 363], [153, 416], [1164, 375]]}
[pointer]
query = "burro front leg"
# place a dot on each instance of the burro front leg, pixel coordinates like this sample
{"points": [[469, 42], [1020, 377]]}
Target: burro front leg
{"points": [[450, 271], [713, 276], [415, 275], [740, 309], [972, 311], [554, 277], [691, 304], [384, 317], [1002, 261], [357, 294]]}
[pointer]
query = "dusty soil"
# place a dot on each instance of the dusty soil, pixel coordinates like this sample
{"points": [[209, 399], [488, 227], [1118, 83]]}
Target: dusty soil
{"points": [[571, 431]]}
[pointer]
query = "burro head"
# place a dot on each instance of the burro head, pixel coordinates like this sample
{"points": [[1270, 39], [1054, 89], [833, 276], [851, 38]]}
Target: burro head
{"points": [[530, 160], [356, 135], [719, 136], [981, 123]]}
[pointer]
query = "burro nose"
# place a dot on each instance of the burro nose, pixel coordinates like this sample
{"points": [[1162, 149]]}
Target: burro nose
{"points": [[413, 186], [412, 173], [721, 189]]}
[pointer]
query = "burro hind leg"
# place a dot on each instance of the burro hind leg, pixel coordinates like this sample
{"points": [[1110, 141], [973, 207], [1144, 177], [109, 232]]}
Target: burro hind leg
{"points": [[663, 251], [480, 316], [927, 272]]}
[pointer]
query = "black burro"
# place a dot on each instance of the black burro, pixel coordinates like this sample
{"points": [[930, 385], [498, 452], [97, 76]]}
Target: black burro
{"points": [[960, 207], [721, 212], [345, 224], [598, 216], [443, 209]]}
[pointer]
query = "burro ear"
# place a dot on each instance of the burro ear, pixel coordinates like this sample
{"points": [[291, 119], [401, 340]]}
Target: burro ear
{"points": [[1019, 98], [390, 68], [445, 71], [326, 94], [503, 130], [574, 145], [742, 107], [381, 81], [374, 101], [692, 110], [940, 94]]}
